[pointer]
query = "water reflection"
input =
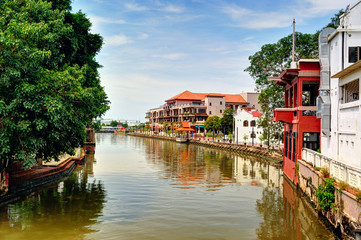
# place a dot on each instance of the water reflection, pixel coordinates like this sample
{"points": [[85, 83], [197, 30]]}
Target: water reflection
{"points": [[61, 211], [164, 190]]}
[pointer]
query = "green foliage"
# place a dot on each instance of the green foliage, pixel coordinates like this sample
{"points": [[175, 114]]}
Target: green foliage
{"points": [[358, 196], [326, 194], [335, 20], [213, 123], [245, 137], [114, 123], [325, 173], [227, 120], [47, 96], [342, 186]]}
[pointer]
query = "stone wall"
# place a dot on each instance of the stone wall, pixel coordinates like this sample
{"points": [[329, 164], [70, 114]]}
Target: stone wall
{"points": [[345, 216]]}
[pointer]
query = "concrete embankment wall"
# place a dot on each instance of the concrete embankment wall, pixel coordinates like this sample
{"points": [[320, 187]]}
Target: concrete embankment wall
{"points": [[244, 149], [345, 216]]}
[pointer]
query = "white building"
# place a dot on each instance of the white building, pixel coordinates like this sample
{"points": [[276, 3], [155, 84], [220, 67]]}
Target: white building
{"points": [[245, 123], [339, 103]]}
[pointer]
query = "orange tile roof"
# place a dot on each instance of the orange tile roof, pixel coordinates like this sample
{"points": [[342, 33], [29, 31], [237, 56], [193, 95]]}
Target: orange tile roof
{"points": [[187, 95], [234, 98]]}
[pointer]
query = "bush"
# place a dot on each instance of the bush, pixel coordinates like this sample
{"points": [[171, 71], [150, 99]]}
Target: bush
{"points": [[326, 194]]}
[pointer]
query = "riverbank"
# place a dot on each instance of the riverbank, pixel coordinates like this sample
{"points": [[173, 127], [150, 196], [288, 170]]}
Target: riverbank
{"points": [[345, 212], [274, 156], [25, 182]]}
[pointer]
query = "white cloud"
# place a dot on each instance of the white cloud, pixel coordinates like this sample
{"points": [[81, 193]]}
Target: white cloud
{"points": [[106, 20], [143, 36], [172, 9], [301, 10], [117, 40], [246, 18], [248, 38], [98, 21], [326, 5], [171, 56], [135, 7]]}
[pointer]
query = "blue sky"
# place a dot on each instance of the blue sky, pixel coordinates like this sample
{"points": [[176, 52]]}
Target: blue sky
{"points": [[155, 49]]}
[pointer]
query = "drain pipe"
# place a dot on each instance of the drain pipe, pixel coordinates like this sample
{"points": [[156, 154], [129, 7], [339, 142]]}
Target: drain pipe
{"points": [[323, 100]]}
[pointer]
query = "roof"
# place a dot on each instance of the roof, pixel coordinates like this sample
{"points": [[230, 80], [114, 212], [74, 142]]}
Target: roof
{"points": [[256, 114], [350, 69], [187, 95], [185, 127], [235, 98]]}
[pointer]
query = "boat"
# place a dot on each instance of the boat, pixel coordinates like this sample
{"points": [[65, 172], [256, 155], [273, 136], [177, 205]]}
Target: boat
{"points": [[181, 139]]}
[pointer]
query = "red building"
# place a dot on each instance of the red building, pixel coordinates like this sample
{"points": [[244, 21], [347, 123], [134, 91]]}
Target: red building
{"points": [[301, 127]]}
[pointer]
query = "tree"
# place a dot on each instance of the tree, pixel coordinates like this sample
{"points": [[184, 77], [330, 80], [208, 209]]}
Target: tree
{"points": [[335, 20], [271, 61], [227, 120], [45, 99], [213, 123], [114, 123]]}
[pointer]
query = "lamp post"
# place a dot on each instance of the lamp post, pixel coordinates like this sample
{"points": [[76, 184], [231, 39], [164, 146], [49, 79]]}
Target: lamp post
{"points": [[213, 134], [253, 136]]}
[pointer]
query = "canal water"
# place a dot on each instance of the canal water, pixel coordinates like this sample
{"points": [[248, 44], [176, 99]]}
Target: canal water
{"points": [[139, 188]]}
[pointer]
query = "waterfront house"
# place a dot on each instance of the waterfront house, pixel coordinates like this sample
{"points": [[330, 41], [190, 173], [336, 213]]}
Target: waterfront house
{"points": [[245, 124], [339, 102], [301, 127], [195, 108]]}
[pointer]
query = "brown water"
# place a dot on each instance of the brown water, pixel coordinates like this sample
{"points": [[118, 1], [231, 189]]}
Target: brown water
{"points": [[138, 188]]}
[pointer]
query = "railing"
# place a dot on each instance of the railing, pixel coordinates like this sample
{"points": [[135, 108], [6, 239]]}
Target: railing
{"points": [[338, 170]]}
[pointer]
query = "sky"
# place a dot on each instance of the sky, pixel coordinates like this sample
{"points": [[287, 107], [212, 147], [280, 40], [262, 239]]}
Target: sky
{"points": [[156, 49]]}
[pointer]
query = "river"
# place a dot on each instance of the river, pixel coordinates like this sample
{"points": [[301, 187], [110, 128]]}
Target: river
{"points": [[139, 188]]}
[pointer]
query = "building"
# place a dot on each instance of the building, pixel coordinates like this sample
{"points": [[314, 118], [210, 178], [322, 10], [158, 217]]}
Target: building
{"points": [[301, 127], [252, 99], [195, 108], [245, 124], [339, 101]]}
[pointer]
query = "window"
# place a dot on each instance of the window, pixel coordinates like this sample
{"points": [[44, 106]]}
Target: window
{"points": [[354, 54], [220, 111], [245, 123], [210, 104], [253, 123], [289, 144], [294, 146], [350, 91], [309, 93], [210, 112], [220, 102], [286, 144], [311, 140]]}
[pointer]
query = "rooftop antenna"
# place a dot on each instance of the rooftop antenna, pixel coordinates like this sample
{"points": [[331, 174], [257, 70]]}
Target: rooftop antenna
{"points": [[293, 63]]}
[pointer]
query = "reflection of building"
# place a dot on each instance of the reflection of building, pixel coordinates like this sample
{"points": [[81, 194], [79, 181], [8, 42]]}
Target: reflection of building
{"points": [[301, 127], [196, 107], [252, 172], [245, 124]]}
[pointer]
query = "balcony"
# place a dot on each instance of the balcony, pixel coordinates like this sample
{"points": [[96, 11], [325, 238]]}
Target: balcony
{"points": [[284, 114]]}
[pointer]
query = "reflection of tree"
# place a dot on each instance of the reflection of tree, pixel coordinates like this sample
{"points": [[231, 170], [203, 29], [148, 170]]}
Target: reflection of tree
{"points": [[73, 205], [271, 208]]}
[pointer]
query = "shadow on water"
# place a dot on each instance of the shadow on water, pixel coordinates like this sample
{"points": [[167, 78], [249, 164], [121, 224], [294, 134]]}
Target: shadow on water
{"points": [[63, 211]]}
